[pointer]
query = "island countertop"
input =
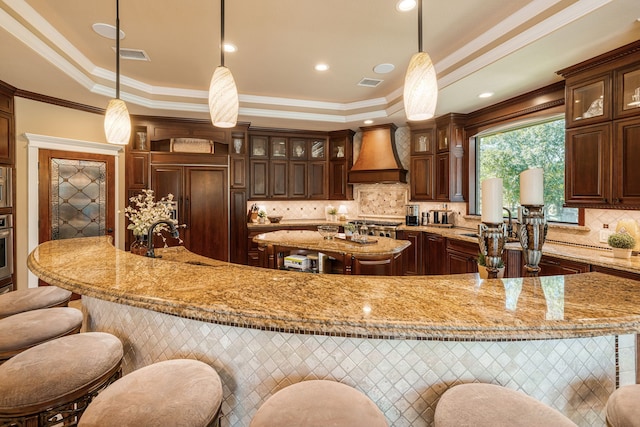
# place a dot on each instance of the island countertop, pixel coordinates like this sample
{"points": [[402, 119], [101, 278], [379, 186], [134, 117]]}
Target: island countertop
{"points": [[420, 307], [312, 240]]}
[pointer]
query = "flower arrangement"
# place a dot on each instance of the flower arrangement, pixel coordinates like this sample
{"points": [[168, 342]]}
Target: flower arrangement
{"points": [[144, 210], [621, 241], [262, 214], [332, 211]]}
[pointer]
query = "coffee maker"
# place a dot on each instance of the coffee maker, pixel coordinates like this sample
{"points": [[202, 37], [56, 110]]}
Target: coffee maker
{"points": [[413, 215]]}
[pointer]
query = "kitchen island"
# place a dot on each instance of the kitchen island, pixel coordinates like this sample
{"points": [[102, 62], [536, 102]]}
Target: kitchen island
{"points": [[401, 340], [380, 256]]}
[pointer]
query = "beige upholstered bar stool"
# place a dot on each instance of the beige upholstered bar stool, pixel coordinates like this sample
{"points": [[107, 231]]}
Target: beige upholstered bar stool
{"points": [[28, 329], [53, 382], [178, 392], [490, 405], [33, 299], [318, 403], [623, 407]]}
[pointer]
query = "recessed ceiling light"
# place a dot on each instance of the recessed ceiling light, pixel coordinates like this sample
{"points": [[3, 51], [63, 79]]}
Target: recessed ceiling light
{"points": [[228, 47], [485, 95], [107, 31], [384, 68], [368, 122], [322, 67], [405, 5]]}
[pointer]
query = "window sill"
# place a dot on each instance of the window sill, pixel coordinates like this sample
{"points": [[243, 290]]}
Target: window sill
{"points": [[552, 225]]}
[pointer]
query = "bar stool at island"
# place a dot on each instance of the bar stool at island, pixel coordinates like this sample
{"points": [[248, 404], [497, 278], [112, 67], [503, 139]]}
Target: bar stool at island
{"points": [[52, 383]]}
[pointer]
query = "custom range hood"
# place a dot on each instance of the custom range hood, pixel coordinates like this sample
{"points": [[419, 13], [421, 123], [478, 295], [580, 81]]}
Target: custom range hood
{"points": [[378, 160]]}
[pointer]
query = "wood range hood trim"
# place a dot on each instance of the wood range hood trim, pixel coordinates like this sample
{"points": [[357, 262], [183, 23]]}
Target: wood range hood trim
{"points": [[378, 161]]}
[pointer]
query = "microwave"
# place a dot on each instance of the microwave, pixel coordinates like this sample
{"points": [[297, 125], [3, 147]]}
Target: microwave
{"points": [[6, 189]]}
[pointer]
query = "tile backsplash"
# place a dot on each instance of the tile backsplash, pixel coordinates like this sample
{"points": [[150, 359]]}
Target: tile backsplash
{"points": [[387, 201]]}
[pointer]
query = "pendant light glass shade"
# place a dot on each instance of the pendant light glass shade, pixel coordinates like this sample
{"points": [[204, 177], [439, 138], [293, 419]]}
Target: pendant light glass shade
{"points": [[420, 88], [223, 98], [117, 124]]}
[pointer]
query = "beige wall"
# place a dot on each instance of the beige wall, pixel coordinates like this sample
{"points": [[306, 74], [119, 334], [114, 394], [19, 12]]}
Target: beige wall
{"points": [[45, 119]]}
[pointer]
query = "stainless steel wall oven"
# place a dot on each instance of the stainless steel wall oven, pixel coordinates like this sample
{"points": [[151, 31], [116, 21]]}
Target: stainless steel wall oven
{"points": [[6, 246]]}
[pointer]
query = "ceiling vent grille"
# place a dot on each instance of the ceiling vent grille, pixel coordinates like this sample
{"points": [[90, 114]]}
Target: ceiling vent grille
{"points": [[135, 54], [369, 82]]}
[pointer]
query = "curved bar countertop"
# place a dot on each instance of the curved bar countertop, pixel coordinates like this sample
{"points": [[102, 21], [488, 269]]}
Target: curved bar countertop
{"points": [[427, 307]]}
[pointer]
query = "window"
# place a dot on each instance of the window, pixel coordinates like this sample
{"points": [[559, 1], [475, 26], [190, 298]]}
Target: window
{"points": [[506, 153]]}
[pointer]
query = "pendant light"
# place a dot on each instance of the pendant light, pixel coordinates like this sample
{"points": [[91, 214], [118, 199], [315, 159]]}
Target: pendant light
{"points": [[420, 82], [117, 123], [223, 94]]}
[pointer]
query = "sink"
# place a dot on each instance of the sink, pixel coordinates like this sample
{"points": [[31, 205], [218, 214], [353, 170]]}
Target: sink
{"points": [[470, 235]]}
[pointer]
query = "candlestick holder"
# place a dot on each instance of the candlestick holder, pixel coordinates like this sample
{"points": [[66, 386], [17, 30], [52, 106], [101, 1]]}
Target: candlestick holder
{"points": [[492, 238], [532, 233]]}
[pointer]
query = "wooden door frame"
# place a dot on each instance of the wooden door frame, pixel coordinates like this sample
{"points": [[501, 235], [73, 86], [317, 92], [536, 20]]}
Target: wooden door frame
{"points": [[34, 144], [44, 178]]}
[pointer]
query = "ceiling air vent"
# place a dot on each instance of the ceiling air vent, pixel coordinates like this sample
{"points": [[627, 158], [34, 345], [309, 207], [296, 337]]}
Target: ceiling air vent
{"points": [[369, 82], [135, 54]]}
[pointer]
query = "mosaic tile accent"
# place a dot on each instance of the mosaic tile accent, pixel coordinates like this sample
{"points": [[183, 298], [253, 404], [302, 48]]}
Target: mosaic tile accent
{"points": [[405, 378]]}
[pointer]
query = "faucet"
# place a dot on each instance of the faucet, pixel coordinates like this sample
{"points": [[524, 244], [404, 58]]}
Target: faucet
{"points": [[510, 225], [174, 233]]}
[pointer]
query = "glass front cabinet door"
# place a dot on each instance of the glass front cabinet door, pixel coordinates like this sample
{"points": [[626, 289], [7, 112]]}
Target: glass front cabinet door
{"points": [[589, 102], [628, 91]]}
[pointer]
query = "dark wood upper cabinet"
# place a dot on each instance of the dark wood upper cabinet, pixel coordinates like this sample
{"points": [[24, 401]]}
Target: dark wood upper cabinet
{"points": [[278, 148], [422, 177], [6, 128], [442, 176], [259, 182], [279, 179], [259, 147], [318, 180], [588, 101], [298, 180], [626, 173], [437, 159], [138, 170], [299, 149], [587, 165], [296, 165], [238, 171], [340, 162], [603, 130]]}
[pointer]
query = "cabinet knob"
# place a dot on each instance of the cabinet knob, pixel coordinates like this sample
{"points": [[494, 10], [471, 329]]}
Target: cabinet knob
{"points": [[616, 200]]}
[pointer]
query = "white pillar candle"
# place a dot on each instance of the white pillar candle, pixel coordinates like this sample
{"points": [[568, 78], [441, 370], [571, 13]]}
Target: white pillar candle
{"points": [[492, 200], [532, 187]]}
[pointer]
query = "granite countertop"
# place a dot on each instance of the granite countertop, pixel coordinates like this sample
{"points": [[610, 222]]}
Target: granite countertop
{"points": [[312, 240], [419, 307]]}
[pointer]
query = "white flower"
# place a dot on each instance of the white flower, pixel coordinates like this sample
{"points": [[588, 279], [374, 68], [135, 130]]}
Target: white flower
{"points": [[144, 211]]}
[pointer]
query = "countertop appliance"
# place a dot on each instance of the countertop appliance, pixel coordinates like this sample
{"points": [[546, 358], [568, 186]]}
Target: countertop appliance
{"points": [[379, 228], [413, 215]]}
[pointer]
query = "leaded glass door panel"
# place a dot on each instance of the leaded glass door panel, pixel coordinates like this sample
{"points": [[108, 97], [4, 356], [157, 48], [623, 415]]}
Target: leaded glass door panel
{"points": [[75, 195]]}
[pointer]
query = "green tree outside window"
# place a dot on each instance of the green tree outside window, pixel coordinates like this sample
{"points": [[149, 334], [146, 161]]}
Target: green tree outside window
{"points": [[506, 154]]}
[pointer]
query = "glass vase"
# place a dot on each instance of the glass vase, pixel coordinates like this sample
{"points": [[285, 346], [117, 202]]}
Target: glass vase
{"points": [[140, 245]]}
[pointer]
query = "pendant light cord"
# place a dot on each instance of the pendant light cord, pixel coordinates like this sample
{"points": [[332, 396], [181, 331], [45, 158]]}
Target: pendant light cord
{"points": [[117, 49], [222, 33], [419, 25]]}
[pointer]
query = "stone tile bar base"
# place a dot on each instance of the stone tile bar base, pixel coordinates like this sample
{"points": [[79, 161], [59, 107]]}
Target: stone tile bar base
{"points": [[404, 378]]}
